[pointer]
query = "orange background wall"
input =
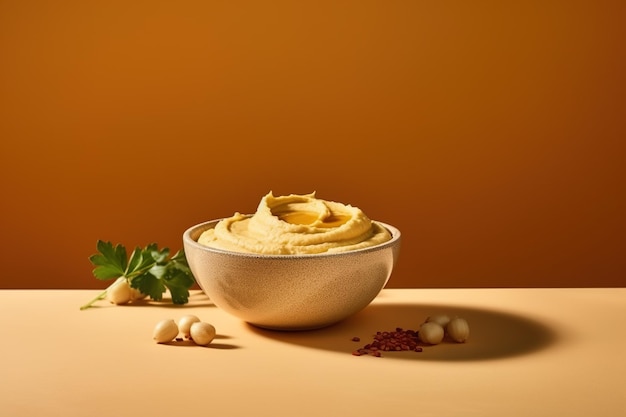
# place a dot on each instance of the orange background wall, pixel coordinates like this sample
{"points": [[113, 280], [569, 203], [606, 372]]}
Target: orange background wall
{"points": [[491, 133]]}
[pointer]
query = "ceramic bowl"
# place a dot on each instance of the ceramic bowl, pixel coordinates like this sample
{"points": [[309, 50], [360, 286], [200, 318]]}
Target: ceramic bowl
{"points": [[291, 292]]}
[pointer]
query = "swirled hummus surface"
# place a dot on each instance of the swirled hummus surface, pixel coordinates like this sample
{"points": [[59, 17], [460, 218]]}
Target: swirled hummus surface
{"points": [[296, 224]]}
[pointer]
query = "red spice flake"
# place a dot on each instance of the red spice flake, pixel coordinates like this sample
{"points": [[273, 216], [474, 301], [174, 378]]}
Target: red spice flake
{"points": [[356, 339], [398, 340]]}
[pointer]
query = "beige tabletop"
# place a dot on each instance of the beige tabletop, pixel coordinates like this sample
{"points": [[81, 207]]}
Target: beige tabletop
{"points": [[532, 352]]}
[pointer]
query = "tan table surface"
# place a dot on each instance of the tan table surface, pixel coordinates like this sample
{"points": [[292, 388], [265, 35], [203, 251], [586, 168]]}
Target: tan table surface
{"points": [[532, 352]]}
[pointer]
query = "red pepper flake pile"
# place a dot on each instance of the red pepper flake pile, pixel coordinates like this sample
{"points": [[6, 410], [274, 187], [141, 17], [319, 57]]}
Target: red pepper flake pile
{"points": [[398, 340]]}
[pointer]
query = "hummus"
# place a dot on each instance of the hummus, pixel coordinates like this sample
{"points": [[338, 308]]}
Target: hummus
{"points": [[296, 224]]}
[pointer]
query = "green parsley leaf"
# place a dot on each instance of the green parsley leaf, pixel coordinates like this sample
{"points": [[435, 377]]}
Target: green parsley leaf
{"points": [[110, 262], [150, 285], [137, 260]]}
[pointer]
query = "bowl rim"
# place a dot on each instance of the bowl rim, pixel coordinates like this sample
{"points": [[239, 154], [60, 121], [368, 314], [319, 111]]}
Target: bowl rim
{"points": [[188, 239]]}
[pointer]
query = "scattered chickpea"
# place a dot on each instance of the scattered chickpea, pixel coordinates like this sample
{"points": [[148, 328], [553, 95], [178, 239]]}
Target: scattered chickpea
{"points": [[184, 324], [119, 292], [165, 331], [431, 333], [202, 333], [458, 329], [440, 319], [135, 294]]}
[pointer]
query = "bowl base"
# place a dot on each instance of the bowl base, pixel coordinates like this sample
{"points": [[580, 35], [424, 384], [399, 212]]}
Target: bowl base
{"points": [[292, 328]]}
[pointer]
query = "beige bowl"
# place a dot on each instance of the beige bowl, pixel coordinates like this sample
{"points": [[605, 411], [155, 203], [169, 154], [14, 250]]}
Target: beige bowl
{"points": [[291, 292]]}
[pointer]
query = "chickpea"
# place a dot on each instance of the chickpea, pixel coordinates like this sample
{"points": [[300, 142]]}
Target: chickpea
{"points": [[184, 324], [119, 292], [165, 331], [441, 319], [202, 333], [431, 333], [458, 330]]}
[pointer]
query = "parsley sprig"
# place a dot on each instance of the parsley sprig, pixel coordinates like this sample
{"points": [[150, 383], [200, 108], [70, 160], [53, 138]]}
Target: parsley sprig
{"points": [[149, 270]]}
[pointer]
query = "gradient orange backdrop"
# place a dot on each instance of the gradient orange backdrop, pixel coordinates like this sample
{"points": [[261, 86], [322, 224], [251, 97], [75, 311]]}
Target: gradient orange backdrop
{"points": [[491, 133]]}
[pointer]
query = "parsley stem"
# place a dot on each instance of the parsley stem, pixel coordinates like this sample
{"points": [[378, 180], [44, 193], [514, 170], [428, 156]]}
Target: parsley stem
{"points": [[99, 297]]}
